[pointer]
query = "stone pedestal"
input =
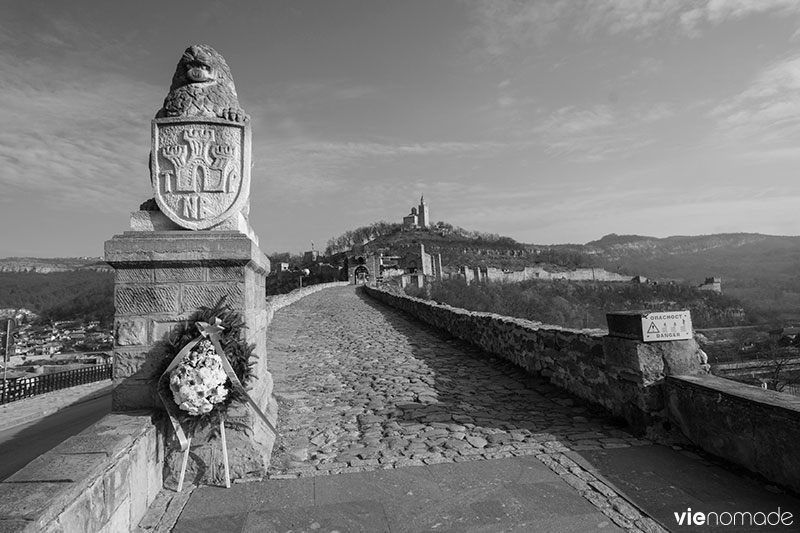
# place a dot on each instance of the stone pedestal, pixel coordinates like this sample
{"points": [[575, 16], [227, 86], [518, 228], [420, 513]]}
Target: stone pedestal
{"points": [[643, 363], [162, 278]]}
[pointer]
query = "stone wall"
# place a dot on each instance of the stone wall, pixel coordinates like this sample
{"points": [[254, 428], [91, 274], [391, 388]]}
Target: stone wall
{"points": [[279, 301], [483, 274], [102, 479], [161, 278], [649, 384], [622, 375], [756, 428]]}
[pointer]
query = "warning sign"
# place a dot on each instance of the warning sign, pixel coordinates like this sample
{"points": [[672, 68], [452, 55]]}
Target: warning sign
{"points": [[667, 326]]}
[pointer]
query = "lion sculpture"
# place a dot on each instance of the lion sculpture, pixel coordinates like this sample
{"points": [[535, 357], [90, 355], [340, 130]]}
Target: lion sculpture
{"points": [[202, 87]]}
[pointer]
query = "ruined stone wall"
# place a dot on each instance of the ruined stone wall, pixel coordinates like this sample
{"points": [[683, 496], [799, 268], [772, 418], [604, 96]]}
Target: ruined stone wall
{"points": [[426, 262], [622, 375], [437, 266], [537, 272], [758, 429]]}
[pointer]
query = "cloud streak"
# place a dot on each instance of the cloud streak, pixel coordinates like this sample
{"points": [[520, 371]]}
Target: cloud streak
{"points": [[715, 12], [73, 139], [600, 132], [502, 27], [767, 112], [319, 166]]}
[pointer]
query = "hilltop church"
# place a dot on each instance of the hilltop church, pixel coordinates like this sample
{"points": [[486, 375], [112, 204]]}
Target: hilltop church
{"points": [[418, 218], [409, 263]]}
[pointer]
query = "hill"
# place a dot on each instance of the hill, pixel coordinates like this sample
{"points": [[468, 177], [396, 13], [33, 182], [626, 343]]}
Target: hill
{"points": [[463, 247], [741, 255], [47, 266], [585, 304], [86, 294], [762, 270]]}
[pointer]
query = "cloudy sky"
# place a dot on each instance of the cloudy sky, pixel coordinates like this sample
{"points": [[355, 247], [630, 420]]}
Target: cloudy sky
{"points": [[547, 121]]}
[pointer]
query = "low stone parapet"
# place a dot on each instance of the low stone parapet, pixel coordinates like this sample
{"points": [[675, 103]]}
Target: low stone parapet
{"points": [[758, 429], [279, 301], [102, 479], [622, 375], [655, 385]]}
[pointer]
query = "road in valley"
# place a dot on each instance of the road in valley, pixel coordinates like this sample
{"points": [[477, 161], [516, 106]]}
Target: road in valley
{"points": [[22, 444]]}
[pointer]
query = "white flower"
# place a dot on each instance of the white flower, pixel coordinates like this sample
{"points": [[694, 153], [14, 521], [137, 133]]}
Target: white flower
{"points": [[198, 382]]}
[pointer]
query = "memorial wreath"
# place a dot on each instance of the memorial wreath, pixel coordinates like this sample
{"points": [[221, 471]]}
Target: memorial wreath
{"points": [[195, 386], [206, 366]]}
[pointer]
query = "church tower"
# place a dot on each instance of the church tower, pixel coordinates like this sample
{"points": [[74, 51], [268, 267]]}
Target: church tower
{"points": [[424, 217]]}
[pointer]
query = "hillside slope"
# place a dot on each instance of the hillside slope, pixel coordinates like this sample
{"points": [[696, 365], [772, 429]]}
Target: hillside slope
{"points": [[47, 266], [763, 270], [86, 294], [480, 250]]}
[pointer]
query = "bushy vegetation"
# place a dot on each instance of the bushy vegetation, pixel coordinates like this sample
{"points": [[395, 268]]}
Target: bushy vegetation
{"points": [[283, 282], [77, 295], [361, 235], [758, 269], [447, 229], [294, 260], [585, 304], [365, 234]]}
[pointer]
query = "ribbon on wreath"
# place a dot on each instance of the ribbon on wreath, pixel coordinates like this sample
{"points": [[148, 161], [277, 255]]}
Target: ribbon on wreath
{"points": [[211, 331]]}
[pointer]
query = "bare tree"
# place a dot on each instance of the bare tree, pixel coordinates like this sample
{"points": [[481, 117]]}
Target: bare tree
{"points": [[778, 365]]}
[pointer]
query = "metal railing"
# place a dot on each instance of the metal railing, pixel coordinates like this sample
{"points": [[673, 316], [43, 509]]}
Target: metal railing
{"points": [[13, 390]]}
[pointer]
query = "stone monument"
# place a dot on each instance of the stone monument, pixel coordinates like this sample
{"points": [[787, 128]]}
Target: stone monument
{"points": [[186, 248]]}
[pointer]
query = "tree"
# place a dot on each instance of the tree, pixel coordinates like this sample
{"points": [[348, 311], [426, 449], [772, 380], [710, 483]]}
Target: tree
{"points": [[362, 235], [776, 363]]}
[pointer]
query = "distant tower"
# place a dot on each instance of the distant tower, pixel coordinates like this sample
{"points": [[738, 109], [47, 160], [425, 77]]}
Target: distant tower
{"points": [[424, 217]]}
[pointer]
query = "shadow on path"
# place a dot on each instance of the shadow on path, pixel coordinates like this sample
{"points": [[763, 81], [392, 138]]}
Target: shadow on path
{"points": [[484, 389], [660, 480], [365, 389]]}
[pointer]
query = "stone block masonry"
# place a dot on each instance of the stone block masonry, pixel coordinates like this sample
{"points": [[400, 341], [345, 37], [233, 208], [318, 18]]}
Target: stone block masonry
{"points": [[102, 479], [756, 428], [622, 375], [162, 279]]}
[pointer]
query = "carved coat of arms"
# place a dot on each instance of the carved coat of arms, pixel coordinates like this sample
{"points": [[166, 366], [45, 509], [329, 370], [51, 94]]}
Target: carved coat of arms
{"points": [[200, 169]]}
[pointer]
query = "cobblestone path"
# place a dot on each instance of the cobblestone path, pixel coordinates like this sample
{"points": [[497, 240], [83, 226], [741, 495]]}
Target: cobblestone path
{"points": [[362, 386]]}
